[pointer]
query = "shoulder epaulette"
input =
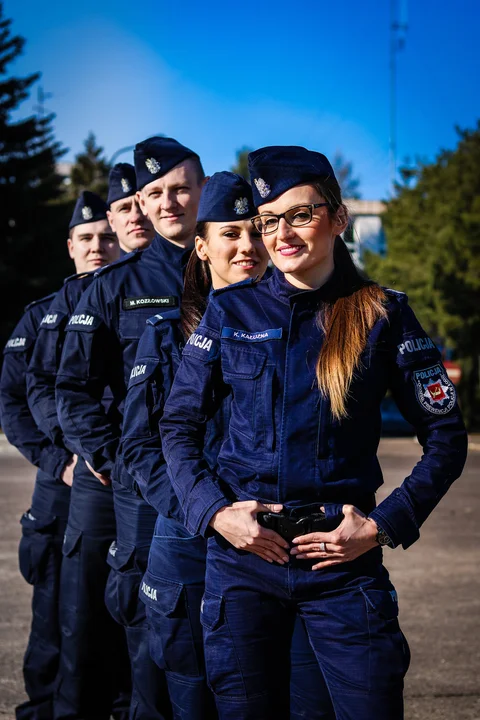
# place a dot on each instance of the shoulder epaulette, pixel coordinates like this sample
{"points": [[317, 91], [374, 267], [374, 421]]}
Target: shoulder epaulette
{"points": [[166, 315], [36, 302], [121, 261], [77, 276], [395, 293], [250, 282]]}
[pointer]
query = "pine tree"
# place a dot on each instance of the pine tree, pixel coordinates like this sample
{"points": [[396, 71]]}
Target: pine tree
{"points": [[241, 163], [90, 170], [344, 173], [28, 185], [433, 253]]}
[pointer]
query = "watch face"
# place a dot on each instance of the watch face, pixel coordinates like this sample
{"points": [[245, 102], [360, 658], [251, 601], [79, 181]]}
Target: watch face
{"points": [[382, 538]]}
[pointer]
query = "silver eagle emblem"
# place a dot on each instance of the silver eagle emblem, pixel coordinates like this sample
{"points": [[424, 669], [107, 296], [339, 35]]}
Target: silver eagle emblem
{"points": [[241, 206], [263, 188], [152, 165]]}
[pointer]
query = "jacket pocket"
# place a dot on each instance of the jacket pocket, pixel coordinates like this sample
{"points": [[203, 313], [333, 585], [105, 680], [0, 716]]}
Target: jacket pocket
{"points": [[251, 379], [35, 545]]}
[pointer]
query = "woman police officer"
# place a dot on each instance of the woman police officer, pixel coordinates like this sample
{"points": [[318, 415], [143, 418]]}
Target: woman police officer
{"points": [[228, 250], [308, 355]]}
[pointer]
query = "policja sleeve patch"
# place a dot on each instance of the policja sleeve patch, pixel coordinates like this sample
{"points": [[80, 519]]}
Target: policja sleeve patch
{"points": [[435, 391]]}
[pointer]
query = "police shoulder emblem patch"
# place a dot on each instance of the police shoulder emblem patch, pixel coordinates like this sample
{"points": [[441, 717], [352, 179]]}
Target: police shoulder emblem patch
{"points": [[435, 391]]}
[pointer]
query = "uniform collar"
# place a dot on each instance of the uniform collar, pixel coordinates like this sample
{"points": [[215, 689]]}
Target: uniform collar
{"points": [[170, 253], [289, 294]]}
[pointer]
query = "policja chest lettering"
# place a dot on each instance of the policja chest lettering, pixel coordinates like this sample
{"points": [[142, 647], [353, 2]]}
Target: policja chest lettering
{"points": [[81, 319], [138, 370], [201, 342], [416, 344], [49, 319], [16, 342], [165, 301]]}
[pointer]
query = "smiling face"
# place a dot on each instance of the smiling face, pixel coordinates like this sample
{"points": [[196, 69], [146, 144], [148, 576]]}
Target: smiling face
{"points": [[92, 245], [234, 252], [133, 229], [171, 202], [304, 254]]}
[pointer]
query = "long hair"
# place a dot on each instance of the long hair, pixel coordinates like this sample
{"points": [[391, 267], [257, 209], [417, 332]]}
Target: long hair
{"points": [[196, 288], [347, 318]]}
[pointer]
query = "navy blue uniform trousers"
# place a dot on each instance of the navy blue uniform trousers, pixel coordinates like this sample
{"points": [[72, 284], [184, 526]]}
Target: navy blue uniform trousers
{"points": [[127, 558], [94, 677], [172, 590], [40, 559], [350, 615]]}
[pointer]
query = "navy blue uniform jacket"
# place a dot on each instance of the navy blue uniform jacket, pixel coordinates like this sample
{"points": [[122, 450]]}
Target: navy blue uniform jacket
{"points": [[17, 421], [101, 342], [45, 360], [151, 379], [262, 341]]}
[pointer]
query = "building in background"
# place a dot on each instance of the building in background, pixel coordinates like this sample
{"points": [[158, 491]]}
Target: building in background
{"points": [[365, 231]]}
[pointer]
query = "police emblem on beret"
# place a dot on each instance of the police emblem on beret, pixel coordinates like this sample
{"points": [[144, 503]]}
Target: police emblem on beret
{"points": [[264, 190], [126, 187], [152, 165], [241, 206], [87, 213], [435, 391]]}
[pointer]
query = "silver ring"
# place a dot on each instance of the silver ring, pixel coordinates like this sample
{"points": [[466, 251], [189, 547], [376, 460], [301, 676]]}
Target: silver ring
{"points": [[322, 547]]}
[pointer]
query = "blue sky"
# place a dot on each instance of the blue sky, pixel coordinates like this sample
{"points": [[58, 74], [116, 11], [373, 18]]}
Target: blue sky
{"points": [[220, 75]]}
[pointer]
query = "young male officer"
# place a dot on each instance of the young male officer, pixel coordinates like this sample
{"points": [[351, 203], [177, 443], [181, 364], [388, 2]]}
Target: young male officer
{"points": [[123, 296], [133, 229], [43, 525], [94, 671]]}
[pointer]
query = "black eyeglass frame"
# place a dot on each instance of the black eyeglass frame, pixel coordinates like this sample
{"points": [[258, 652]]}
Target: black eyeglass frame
{"points": [[310, 206]]}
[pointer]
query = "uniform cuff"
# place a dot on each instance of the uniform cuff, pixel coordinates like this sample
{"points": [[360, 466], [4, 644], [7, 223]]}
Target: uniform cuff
{"points": [[203, 502], [395, 516]]}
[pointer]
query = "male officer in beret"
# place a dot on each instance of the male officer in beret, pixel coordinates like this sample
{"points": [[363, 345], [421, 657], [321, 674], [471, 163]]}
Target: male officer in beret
{"points": [[94, 671], [133, 229], [169, 180], [91, 245]]}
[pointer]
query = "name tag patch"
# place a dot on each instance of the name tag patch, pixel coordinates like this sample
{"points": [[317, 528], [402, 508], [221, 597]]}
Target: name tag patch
{"points": [[435, 391], [415, 345], [165, 301], [244, 336]]}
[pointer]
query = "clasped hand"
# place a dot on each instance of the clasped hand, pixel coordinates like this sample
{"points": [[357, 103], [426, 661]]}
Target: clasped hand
{"points": [[238, 524]]}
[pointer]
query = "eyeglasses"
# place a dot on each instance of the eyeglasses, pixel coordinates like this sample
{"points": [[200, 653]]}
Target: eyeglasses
{"points": [[268, 223]]}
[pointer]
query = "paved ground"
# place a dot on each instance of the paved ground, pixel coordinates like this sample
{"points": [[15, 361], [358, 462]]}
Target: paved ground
{"points": [[437, 580]]}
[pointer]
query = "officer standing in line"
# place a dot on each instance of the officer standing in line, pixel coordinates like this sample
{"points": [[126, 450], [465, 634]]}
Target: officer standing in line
{"points": [[101, 353], [94, 672], [227, 250], [308, 354], [133, 229], [43, 525]]}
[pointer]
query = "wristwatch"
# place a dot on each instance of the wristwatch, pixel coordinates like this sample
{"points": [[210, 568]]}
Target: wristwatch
{"points": [[383, 539]]}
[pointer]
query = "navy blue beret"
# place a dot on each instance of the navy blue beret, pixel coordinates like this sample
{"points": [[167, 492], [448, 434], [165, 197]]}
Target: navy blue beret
{"points": [[226, 197], [156, 156], [88, 208], [275, 169], [122, 182]]}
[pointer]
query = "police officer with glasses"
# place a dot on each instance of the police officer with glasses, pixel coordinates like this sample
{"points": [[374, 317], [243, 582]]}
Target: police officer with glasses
{"points": [[289, 511]]}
